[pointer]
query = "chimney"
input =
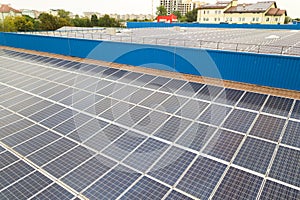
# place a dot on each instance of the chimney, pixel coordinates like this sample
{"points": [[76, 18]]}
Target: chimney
{"points": [[244, 6]]}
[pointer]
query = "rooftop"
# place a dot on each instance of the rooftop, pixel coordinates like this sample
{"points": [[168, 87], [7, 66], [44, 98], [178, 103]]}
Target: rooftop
{"points": [[73, 128]]}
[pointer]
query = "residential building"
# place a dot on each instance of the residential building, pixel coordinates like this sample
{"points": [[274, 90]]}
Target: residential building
{"points": [[53, 12], [6, 10], [31, 13], [265, 12], [183, 6]]}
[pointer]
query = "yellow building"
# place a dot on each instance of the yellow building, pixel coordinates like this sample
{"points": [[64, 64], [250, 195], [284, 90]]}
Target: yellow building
{"points": [[233, 13]]}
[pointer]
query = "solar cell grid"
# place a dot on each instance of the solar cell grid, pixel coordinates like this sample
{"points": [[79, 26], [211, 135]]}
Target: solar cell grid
{"points": [[238, 184], [255, 155], [23, 135], [229, 97], [290, 173], [192, 109], [88, 172], [54, 192], [268, 127], [26, 187], [146, 154], [223, 145], [296, 111], [172, 165], [14, 172], [239, 120], [273, 190], [146, 189], [252, 101], [202, 177], [174, 195], [292, 134], [278, 106]]}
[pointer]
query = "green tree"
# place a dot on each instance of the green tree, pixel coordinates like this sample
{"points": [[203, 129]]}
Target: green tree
{"points": [[23, 23], [191, 16], [161, 11], [9, 24], [48, 22], [178, 14], [94, 20], [64, 14], [106, 21], [287, 20]]}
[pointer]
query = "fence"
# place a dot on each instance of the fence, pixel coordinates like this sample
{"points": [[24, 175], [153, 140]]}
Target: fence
{"points": [[237, 47], [198, 25], [261, 69]]}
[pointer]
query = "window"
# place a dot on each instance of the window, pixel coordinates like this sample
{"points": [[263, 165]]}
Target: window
{"points": [[257, 19], [219, 11], [204, 12], [219, 19], [208, 12], [240, 19], [215, 19], [276, 19], [243, 19], [253, 19], [216, 12], [268, 19]]}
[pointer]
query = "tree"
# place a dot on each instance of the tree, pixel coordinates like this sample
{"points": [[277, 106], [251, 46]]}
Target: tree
{"points": [[64, 14], [161, 11], [23, 23], [106, 21], [94, 20], [192, 15], [48, 22], [287, 20], [9, 24], [178, 14]]}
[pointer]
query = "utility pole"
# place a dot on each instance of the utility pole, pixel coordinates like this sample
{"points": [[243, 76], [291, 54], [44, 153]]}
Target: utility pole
{"points": [[152, 10]]}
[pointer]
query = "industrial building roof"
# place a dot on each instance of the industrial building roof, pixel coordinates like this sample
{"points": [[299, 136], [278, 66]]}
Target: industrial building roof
{"points": [[74, 129]]}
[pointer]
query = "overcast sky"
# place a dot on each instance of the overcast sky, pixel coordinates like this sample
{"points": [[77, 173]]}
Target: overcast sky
{"points": [[122, 6]]}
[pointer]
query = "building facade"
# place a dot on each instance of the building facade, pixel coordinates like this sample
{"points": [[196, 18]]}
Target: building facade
{"points": [[233, 13], [7, 11], [183, 6]]}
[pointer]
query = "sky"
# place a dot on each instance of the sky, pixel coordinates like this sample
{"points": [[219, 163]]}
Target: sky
{"points": [[122, 6]]}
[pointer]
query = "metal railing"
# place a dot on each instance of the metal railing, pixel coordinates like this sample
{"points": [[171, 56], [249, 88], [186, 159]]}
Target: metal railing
{"points": [[215, 45]]}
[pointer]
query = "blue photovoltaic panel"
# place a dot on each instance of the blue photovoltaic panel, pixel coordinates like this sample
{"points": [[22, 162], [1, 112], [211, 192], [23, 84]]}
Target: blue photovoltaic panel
{"points": [[113, 184], [252, 101], [292, 134], [296, 110], [239, 120], [202, 177], [174, 195], [278, 106], [196, 136], [268, 127], [238, 184], [290, 173], [255, 155], [54, 192], [273, 190], [223, 145], [172, 165], [146, 189], [87, 173]]}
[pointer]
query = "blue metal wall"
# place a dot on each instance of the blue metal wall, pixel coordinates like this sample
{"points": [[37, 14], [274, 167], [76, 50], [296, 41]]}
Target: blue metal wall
{"points": [[197, 25], [266, 70]]}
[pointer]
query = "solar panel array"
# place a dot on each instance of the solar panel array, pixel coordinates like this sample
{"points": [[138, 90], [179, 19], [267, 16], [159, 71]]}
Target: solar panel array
{"points": [[72, 130], [249, 40]]}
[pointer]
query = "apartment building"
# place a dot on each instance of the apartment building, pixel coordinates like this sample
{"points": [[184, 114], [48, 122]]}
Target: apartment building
{"points": [[183, 6], [265, 12]]}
